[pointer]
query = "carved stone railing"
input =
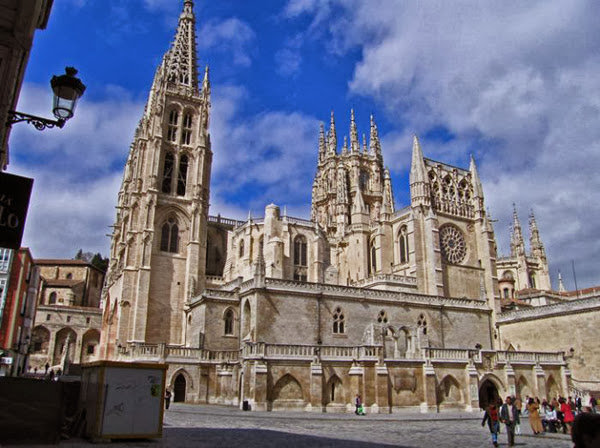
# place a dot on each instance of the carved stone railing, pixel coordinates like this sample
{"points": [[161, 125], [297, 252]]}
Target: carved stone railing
{"points": [[530, 357], [215, 280], [219, 293], [402, 211], [446, 354], [261, 350], [310, 352], [226, 221], [365, 293], [306, 222], [555, 309], [402, 279], [171, 353]]}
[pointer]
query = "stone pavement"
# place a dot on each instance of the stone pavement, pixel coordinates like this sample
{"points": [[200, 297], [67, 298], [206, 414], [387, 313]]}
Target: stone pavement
{"points": [[206, 426]]}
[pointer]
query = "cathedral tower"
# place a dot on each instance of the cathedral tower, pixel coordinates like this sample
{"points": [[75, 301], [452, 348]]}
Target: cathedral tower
{"points": [[158, 246], [352, 193]]}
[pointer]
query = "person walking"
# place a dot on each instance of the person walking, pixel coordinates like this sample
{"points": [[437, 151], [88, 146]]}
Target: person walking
{"points": [[510, 417], [358, 403], [519, 405], [593, 403], [567, 416], [167, 398], [493, 421], [534, 416]]}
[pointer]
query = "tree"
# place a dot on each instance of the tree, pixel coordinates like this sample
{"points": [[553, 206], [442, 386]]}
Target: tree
{"points": [[99, 262]]}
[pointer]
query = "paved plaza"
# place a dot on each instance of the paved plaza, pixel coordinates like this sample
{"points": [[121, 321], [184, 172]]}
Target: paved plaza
{"points": [[200, 426]]}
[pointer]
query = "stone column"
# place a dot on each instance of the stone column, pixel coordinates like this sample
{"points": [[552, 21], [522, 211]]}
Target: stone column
{"points": [[356, 383], [510, 380], [429, 388], [316, 387], [382, 389], [565, 376], [224, 375], [472, 381], [540, 381], [259, 376]]}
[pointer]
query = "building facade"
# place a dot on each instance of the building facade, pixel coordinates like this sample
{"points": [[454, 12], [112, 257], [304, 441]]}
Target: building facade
{"points": [[399, 306], [18, 22], [68, 319], [18, 309]]}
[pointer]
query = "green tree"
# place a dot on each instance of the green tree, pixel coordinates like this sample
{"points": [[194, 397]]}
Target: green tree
{"points": [[100, 262]]}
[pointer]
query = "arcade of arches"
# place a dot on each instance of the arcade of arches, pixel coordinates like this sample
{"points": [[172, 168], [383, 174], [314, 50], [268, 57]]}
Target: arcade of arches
{"points": [[332, 388]]}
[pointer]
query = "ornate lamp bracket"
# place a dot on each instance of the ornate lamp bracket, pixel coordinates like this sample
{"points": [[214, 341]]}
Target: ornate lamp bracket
{"points": [[40, 123]]}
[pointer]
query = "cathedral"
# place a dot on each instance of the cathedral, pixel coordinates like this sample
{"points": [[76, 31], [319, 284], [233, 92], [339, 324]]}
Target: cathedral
{"points": [[401, 306]]}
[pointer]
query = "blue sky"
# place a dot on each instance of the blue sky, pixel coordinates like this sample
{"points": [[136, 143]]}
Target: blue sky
{"points": [[513, 83]]}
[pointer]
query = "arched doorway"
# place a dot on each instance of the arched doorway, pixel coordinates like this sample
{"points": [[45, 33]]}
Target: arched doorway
{"points": [[488, 394], [180, 386]]}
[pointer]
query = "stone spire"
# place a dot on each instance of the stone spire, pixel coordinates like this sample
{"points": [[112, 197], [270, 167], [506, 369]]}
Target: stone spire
{"points": [[180, 62], [332, 136], [561, 286], [322, 148], [388, 195], [374, 144], [477, 189], [354, 145], [535, 242], [206, 105], [517, 246], [345, 147], [341, 200], [419, 182], [364, 143]]}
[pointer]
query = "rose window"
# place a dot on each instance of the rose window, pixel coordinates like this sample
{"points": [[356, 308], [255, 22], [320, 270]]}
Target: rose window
{"points": [[452, 243]]}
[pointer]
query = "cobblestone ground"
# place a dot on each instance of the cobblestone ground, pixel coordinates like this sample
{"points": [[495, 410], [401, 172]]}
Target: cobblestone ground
{"points": [[198, 426]]}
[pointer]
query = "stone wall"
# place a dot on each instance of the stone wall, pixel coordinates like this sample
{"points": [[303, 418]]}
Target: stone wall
{"points": [[558, 327]]}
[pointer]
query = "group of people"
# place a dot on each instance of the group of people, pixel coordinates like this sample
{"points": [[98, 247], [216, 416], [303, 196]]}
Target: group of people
{"points": [[543, 417]]}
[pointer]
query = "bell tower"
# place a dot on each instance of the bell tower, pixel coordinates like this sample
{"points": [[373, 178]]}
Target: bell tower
{"points": [[158, 243]]}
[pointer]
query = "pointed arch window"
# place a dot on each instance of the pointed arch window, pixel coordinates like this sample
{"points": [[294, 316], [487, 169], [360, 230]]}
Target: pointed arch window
{"points": [[241, 248], [422, 324], [532, 283], [169, 237], [339, 321], [372, 259], [182, 175], [186, 131], [52, 298], [300, 263], [172, 127], [228, 318], [167, 172], [363, 180], [403, 245]]}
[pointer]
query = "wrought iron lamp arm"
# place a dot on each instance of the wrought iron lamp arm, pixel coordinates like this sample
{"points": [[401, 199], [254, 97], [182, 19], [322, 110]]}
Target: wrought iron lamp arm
{"points": [[40, 123]]}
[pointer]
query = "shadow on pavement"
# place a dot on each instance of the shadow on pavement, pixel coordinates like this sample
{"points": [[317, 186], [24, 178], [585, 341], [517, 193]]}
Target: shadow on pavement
{"points": [[254, 438]]}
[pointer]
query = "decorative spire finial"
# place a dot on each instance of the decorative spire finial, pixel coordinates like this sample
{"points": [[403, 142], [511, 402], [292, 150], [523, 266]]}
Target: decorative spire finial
{"points": [[181, 62], [354, 145]]}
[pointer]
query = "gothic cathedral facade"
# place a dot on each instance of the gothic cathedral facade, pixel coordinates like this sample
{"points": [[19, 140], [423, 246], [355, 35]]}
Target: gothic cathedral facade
{"points": [[399, 306]]}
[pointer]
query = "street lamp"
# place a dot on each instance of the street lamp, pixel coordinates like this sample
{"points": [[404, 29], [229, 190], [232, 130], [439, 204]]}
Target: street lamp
{"points": [[67, 90]]}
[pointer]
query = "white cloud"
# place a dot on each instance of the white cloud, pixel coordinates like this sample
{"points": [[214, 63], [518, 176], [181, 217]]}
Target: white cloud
{"points": [[77, 170], [232, 36], [273, 152], [513, 82]]}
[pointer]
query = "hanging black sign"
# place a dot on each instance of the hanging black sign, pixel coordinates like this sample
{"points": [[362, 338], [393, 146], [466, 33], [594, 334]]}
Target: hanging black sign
{"points": [[14, 200]]}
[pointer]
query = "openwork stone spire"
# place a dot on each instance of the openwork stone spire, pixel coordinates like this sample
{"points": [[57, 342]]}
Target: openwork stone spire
{"points": [[537, 248], [181, 60]]}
